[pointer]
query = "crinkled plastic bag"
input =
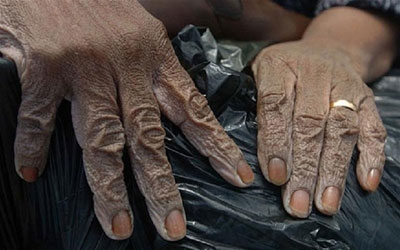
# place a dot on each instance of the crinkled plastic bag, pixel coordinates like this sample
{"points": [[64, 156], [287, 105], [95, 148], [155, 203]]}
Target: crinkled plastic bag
{"points": [[56, 212]]}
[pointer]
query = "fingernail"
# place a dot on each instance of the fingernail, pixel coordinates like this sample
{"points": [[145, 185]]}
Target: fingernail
{"points": [[300, 203], [121, 224], [29, 174], [245, 172], [330, 200], [373, 179], [277, 172], [175, 225]]}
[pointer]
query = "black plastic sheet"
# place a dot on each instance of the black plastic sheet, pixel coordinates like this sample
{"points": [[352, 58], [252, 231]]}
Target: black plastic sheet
{"points": [[56, 212]]}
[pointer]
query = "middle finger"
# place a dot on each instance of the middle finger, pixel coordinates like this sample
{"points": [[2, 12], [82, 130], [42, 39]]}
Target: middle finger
{"points": [[145, 140], [310, 114]]}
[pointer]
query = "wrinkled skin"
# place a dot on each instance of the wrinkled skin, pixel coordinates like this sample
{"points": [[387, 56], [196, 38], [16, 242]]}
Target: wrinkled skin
{"points": [[115, 63], [305, 145]]}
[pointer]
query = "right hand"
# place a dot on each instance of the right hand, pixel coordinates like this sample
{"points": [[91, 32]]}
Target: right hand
{"points": [[304, 144], [115, 63]]}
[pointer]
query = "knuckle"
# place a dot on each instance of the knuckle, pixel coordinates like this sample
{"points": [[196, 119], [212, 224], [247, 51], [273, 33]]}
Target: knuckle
{"points": [[152, 134], [307, 135], [336, 157], [161, 184], [36, 147], [144, 114], [105, 137], [270, 102], [111, 188], [156, 33], [35, 125], [198, 107], [334, 166], [306, 163], [336, 169], [147, 43], [170, 65], [147, 126], [378, 132], [309, 125], [343, 121], [305, 171], [273, 128], [165, 189]]}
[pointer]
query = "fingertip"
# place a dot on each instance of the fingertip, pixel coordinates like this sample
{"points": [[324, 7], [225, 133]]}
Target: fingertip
{"points": [[245, 173], [300, 204], [373, 180], [175, 225], [330, 201], [29, 174], [121, 225], [277, 171], [369, 180]]}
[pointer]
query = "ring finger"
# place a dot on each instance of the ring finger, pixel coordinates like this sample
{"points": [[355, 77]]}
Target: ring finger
{"points": [[341, 135]]}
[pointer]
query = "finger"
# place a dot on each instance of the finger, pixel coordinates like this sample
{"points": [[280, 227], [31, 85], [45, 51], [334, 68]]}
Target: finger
{"points": [[341, 135], [182, 103], [36, 118], [145, 139], [100, 134], [310, 114], [275, 84], [340, 138], [371, 144]]}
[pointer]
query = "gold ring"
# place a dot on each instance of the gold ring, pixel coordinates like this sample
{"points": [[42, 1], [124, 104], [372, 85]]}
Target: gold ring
{"points": [[343, 103]]}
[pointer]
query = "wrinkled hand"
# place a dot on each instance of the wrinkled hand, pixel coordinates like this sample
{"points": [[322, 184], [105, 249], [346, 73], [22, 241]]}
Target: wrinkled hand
{"points": [[115, 63], [305, 145]]}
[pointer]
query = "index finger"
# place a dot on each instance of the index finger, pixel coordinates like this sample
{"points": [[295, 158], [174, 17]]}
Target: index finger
{"points": [[100, 133], [186, 107], [145, 140], [275, 84]]}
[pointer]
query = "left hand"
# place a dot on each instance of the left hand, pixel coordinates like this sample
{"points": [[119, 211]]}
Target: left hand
{"points": [[115, 63], [304, 142]]}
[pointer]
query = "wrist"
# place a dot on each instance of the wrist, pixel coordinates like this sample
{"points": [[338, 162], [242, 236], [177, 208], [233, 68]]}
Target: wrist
{"points": [[367, 38], [264, 20], [358, 58]]}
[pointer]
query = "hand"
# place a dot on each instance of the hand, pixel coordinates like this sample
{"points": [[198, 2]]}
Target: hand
{"points": [[303, 143], [115, 63]]}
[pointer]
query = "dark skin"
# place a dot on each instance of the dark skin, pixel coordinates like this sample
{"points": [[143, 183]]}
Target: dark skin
{"points": [[352, 55], [308, 153], [115, 63], [277, 24]]}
